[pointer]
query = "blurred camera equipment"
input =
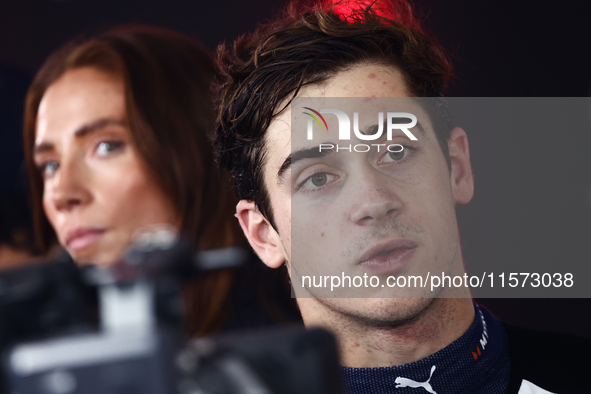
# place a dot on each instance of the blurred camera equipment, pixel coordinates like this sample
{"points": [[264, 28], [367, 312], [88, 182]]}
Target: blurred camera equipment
{"points": [[117, 329]]}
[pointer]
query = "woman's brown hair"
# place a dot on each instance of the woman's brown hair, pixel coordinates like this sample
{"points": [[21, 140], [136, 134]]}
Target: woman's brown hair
{"points": [[167, 80]]}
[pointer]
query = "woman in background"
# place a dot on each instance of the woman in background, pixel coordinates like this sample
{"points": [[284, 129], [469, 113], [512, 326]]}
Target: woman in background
{"points": [[115, 140]]}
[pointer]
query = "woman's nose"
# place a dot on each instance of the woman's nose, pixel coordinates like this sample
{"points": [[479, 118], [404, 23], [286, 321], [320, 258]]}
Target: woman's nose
{"points": [[68, 188]]}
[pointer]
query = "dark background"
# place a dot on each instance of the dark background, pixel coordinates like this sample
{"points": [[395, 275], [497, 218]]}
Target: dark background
{"points": [[500, 49]]}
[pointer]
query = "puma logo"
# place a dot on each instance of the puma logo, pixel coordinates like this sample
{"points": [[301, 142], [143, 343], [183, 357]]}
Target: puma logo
{"points": [[405, 382]]}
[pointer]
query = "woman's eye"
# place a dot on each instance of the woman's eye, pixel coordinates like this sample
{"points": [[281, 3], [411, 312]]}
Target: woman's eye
{"points": [[49, 168], [106, 147]]}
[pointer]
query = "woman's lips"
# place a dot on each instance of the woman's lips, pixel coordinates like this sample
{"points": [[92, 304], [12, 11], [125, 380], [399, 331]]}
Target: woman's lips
{"points": [[83, 237], [388, 257]]}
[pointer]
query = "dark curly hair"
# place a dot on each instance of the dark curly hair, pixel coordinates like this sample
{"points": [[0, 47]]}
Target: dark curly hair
{"points": [[309, 44]]}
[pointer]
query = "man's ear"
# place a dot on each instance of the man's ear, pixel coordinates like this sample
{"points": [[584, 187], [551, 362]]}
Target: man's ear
{"points": [[462, 179], [260, 234]]}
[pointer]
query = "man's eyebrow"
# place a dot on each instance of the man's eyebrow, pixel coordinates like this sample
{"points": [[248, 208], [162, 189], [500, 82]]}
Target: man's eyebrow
{"points": [[374, 128], [80, 132], [315, 152], [301, 154]]}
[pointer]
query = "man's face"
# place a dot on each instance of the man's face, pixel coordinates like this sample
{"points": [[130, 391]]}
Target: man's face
{"points": [[374, 213]]}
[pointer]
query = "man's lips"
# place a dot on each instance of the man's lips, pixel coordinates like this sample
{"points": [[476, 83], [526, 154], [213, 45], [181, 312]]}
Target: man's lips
{"points": [[82, 237], [389, 256]]}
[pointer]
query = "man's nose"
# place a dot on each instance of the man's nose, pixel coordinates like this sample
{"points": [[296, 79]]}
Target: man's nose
{"points": [[68, 188], [373, 198]]}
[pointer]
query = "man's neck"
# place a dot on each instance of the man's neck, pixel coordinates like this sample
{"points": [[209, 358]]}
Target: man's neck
{"points": [[367, 346]]}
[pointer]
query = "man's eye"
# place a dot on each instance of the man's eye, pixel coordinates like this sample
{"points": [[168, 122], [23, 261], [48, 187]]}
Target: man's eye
{"points": [[396, 154], [48, 168], [106, 147], [317, 180]]}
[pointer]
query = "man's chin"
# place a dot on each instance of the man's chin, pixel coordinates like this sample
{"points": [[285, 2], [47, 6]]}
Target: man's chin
{"points": [[379, 312]]}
